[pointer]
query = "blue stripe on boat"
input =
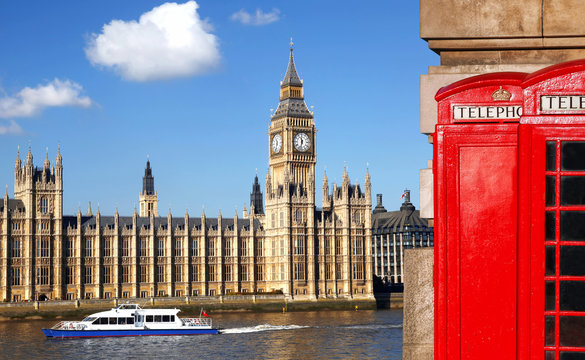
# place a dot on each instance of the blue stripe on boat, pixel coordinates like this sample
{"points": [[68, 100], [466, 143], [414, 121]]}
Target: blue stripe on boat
{"points": [[104, 333]]}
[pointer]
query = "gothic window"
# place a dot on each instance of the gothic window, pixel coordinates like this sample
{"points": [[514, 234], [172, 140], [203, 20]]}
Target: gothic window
{"points": [[281, 219], [143, 247], [16, 248], [107, 274], [328, 271], [195, 248], [273, 272], [70, 275], [328, 245], [160, 272], [358, 273], [299, 271], [161, 247], [178, 247], [274, 247], [299, 245], [338, 271], [356, 217], [244, 248], [88, 247], [211, 272], [195, 271], [70, 250], [227, 273], [178, 273], [16, 276], [43, 275], [125, 274], [89, 275], [243, 273], [273, 220], [338, 248], [44, 205], [43, 247], [107, 246], [282, 273], [260, 272], [143, 273], [227, 251], [299, 216], [358, 246], [125, 247], [210, 248], [259, 248]]}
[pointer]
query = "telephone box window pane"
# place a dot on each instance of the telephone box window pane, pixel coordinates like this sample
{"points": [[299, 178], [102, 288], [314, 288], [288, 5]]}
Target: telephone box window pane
{"points": [[573, 225], [573, 155], [549, 355], [549, 296], [551, 155], [549, 225], [572, 260], [565, 355], [551, 191], [549, 331], [572, 190], [549, 268], [571, 331], [572, 295]]}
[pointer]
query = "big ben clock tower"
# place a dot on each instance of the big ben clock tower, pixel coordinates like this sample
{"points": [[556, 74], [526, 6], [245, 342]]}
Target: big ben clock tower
{"points": [[292, 134], [290, 192]]}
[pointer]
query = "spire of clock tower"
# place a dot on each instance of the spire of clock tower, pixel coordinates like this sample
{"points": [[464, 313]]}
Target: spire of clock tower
{"points": [[292, 93]]}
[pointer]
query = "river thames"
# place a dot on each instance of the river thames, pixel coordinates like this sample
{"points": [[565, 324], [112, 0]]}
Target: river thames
{"points": [[294, 335]]}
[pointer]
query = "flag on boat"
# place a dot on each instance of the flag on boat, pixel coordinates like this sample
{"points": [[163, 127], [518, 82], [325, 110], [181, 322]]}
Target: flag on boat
{"points": [[204, 313]]}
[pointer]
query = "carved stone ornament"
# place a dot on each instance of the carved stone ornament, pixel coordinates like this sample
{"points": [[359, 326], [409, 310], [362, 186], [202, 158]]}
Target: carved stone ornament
{"points": [[501, 95]]}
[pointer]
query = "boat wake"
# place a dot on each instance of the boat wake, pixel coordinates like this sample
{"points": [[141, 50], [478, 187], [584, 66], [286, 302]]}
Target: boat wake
{"points": [[268, 327], [258, 328]]}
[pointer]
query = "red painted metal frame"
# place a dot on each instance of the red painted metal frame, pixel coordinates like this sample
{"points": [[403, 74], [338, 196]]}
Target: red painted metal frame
{"points": [[527, 235]]}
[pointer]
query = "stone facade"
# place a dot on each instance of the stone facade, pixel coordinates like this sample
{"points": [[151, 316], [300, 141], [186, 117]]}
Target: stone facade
{"points": [[293, 247]]}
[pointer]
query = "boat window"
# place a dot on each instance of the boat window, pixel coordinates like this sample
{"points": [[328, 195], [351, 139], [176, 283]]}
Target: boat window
{"points": [[149, 318], [101, 321], [130, 321], [172, 318], [166, 318], [89, 319], [157, 318], [113, 321]]}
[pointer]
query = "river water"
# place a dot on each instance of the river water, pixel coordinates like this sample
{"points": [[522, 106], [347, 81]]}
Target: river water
{"points": [[294, 335]]}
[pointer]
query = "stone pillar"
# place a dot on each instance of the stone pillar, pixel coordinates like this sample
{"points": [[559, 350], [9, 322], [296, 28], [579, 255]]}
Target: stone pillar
{"points": [[418, 323]]}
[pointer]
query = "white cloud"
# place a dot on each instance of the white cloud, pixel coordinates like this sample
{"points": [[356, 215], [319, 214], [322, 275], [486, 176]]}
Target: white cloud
{"points": [[31, 101], [167, 42], [10, 129], [257, 19]]}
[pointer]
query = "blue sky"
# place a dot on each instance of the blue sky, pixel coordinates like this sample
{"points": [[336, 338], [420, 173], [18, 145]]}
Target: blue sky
{"points": [[191, 85]]}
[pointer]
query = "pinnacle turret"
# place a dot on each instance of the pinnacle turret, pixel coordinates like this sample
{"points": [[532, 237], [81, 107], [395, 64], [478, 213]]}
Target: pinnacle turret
{"points": [[291, 77], [47, 163], [18, 163]]}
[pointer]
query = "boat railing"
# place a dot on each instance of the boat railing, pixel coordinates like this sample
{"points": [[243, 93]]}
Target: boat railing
{"points": [[69, 325], [197, 321]]}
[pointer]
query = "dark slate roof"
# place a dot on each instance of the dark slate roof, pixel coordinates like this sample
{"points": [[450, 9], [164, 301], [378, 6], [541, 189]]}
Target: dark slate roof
{"points": [[352, 190], [291, 77], [397, 220], [292, 108], [12, 205], [126, 221]]}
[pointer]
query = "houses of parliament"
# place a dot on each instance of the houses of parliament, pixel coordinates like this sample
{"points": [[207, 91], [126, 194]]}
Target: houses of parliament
{"points": [[289, 245]]}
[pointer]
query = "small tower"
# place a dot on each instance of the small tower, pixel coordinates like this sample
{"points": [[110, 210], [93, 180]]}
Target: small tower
{"points": [[148, 197], [256, 197]]}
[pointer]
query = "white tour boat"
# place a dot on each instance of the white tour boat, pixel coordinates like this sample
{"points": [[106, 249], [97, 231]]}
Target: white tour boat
{"points": [[132, 320]]}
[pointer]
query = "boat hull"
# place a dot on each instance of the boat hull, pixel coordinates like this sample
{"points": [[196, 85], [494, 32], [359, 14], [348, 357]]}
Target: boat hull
{"points": [[53, 333]]}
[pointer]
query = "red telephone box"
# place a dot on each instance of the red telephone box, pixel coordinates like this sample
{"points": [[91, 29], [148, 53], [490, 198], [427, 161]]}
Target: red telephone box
{"points": [[509, 160]]}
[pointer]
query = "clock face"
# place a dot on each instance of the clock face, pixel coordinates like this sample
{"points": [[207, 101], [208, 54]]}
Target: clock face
{"points": [[276, 143], [302, 142]]}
